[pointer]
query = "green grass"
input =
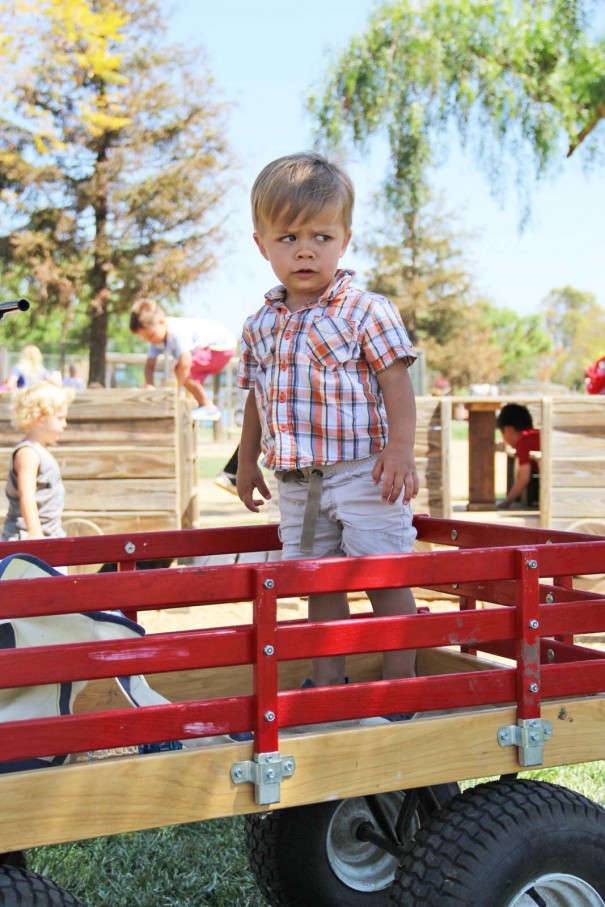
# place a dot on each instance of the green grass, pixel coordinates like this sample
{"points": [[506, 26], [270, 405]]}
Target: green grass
{"points": [[202, 864]]}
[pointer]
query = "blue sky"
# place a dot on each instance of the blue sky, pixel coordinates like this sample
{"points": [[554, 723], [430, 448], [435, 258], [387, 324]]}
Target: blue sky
{"points": [[265, 56]]}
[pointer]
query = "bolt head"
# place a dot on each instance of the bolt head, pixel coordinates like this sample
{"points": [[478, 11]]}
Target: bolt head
{"points": [[268, 650], [130, 547], [533, 624], [268, 584], [533, 688], [532, 564], [269, 716], [454, 534]]}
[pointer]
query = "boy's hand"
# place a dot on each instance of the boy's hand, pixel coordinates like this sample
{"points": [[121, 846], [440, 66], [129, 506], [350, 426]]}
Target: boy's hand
{"points": [[396, 469], [249, 480]]}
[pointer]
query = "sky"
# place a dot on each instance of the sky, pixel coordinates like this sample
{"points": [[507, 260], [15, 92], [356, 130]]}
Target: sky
{"points": [[265, 57]]}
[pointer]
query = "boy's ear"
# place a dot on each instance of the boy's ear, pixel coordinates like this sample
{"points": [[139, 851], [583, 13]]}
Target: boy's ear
{"points": [[259, 243], [346, 242]]}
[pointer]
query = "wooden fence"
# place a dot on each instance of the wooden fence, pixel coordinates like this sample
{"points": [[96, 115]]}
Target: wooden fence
{"points": [[127, 458]]}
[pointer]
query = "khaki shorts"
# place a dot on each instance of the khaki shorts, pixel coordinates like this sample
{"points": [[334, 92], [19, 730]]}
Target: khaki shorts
{"points": [[352, 520]]}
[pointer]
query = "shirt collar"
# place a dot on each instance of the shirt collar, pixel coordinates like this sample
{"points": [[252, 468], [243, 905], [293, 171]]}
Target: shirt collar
{"points": [[337, 288]]}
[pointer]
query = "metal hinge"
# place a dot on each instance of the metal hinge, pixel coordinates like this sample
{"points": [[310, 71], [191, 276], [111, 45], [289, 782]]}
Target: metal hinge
{"points": [[529, 734], [265, 771]]}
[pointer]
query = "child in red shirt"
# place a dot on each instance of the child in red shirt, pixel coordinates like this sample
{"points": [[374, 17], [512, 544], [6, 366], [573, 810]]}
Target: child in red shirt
{"points": [[517, 430]]}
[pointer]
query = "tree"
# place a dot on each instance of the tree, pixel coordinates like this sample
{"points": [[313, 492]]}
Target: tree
{"points": [[113, 163], [522, 343], [576, 322], [522, 79], [424, 273]]}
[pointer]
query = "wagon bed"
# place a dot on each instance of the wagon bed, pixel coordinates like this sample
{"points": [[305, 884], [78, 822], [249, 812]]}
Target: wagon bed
{"points": [[500, 686]]}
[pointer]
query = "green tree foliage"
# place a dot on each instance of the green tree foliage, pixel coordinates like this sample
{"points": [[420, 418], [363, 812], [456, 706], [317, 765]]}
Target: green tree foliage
{"points": [[522, 342], [576, 323], [424, 273], [522, 80], [113, 163]]}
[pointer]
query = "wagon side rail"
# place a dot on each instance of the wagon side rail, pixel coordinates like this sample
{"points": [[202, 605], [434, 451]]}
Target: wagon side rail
{"points": [[525, 631]]}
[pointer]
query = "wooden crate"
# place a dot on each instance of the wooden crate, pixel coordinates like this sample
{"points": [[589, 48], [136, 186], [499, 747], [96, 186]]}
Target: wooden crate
{"points": [[572, 471], [432, 448], [127, 458]]}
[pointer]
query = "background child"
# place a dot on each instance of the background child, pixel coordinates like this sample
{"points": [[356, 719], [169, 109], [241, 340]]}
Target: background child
{"points": [[327, 365], [29, 369], [200, 348], [34, 488], [517, 429]]}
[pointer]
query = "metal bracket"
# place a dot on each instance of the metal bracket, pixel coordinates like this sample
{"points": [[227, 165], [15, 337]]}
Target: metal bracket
{"points": [[265, 772], [529, 734]]}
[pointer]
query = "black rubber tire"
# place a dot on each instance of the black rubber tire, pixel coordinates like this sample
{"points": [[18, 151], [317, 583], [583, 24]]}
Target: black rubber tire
{"points": [[14, 858], [493, 842], [292, 852], [20, 888]]}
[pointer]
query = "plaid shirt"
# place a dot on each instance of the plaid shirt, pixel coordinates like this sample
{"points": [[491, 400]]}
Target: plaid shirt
{"points": [[315, 374]]}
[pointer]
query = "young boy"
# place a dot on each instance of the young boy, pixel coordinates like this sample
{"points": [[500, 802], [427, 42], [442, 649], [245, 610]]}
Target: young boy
{"points": [[34, 488], [517, 429], [200, 348], [331, 403]]}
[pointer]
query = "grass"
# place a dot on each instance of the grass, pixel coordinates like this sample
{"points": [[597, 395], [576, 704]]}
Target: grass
{"points": [[202, 864]]}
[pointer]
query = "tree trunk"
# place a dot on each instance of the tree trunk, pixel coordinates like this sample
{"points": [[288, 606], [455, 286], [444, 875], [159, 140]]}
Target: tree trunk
{"points": [[99, 272], [97, 345]]}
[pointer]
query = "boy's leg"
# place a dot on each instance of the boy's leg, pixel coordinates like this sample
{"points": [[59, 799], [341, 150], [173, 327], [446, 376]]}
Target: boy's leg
{"points": [[372, 527], [330, 670], [397, 663]]}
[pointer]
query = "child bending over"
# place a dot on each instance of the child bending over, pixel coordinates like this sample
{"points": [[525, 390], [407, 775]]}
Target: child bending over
{"points": [[331, 403], [199, 347], [517, 429]]}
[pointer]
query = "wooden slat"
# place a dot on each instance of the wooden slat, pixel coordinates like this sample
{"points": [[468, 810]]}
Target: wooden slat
{"points": [[581, 472], [121, 494], [83, 801], [582, 413], [128, 520], [574, 503]]}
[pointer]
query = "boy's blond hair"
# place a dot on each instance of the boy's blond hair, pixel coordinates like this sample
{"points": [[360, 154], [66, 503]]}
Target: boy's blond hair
{"points": [[43, 399], [144, 314], [302, 183]]}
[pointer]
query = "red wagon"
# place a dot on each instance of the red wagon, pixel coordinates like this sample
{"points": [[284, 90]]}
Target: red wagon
{"points": [[343, 807]]}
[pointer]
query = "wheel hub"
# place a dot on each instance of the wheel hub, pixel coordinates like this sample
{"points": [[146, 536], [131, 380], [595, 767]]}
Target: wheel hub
{"points": [[361, 865], [557, 890]]}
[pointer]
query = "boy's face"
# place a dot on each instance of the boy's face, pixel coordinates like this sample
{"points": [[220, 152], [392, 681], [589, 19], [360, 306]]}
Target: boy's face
{"points": [[510, 435], [154, 333], [304, 254]]}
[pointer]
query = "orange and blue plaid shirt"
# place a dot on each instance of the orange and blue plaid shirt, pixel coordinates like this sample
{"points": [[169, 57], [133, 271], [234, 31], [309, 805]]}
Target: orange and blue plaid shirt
{"points": [[314, 373]]}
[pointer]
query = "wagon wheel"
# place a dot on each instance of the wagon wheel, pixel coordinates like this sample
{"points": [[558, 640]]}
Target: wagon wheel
{"points": [[338, 854], [508, 844], [75, 527], [19, 888]]}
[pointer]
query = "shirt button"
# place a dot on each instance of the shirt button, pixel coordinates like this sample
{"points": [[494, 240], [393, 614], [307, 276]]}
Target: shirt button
{"points": [[281, 397], [283, 427], [283, 366], [288, 334]]}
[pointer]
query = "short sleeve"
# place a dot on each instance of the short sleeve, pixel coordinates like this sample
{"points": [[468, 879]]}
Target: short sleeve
{"points": [[384, 339]]}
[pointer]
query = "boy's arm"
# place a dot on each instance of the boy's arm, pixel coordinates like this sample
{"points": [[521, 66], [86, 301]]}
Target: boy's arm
{"points": [[26, 463], [395, 466], [249, 474], [149, 370], [521, 482]]}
